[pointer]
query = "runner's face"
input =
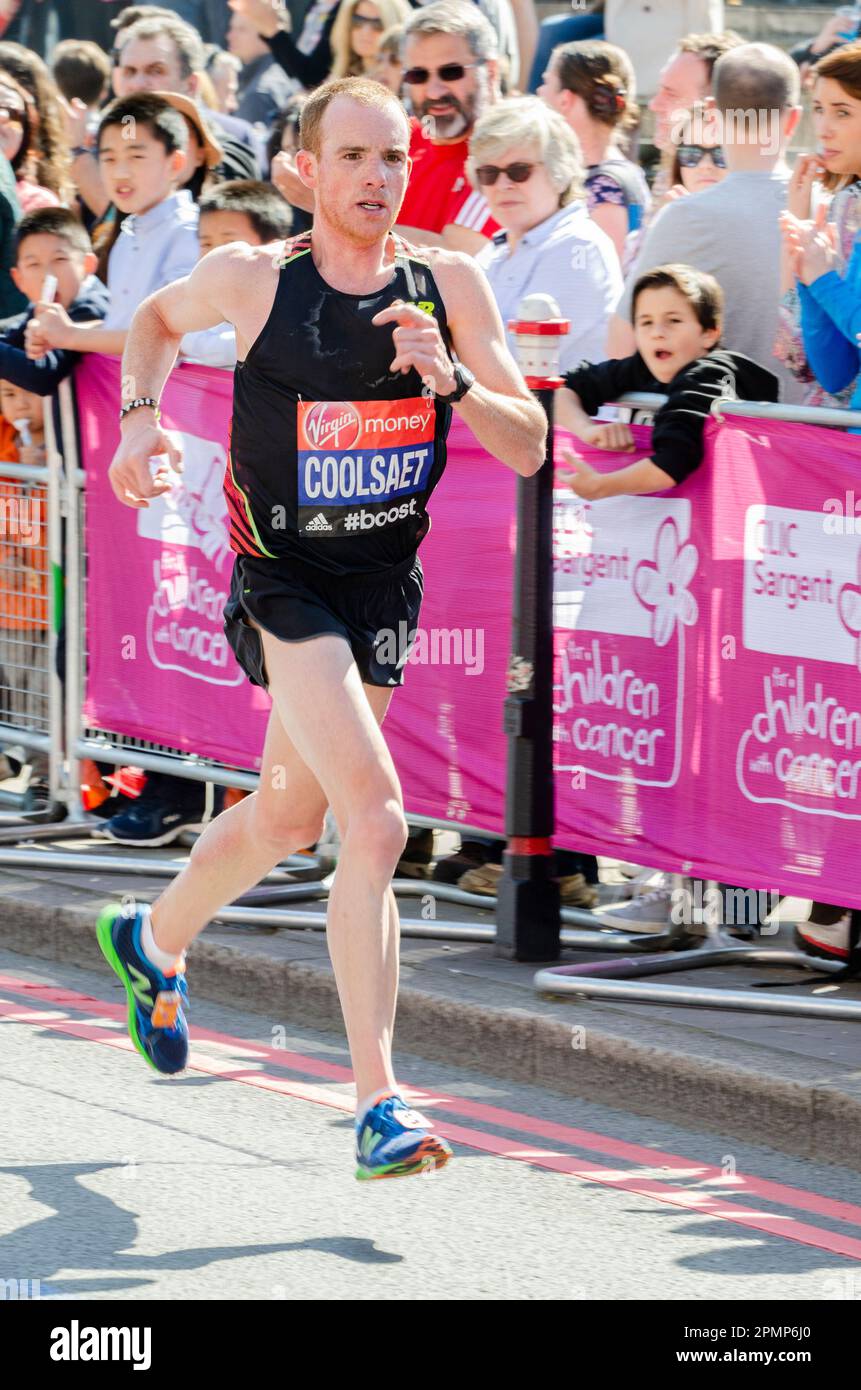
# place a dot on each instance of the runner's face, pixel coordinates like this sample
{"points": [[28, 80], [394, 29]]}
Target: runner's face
{"points": [[447, 110], [362, 170]]}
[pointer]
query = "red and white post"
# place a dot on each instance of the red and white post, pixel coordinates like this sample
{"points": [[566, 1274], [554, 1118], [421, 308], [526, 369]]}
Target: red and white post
{"points": [[527, 915]]}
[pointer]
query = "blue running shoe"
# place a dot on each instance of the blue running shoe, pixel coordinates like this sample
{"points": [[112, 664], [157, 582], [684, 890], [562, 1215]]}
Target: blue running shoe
{"points": [[393, 1141], [157, 1025]]}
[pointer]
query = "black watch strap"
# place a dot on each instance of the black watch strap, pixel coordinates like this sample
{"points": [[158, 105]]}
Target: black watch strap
{"points": [[464, 381]]}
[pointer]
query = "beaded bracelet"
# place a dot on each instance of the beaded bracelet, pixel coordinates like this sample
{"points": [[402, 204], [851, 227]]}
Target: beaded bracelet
{"points": [[137, 403]]}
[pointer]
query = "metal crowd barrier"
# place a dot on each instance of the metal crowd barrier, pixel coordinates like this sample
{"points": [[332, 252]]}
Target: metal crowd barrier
{"points": [[624, 979], [30, 694]]}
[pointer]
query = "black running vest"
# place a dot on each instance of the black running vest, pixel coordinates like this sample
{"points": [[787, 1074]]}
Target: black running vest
{"points": [[332, 458]]}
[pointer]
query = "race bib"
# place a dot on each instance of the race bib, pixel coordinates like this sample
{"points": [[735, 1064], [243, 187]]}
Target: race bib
{"points": [[362, 464]]}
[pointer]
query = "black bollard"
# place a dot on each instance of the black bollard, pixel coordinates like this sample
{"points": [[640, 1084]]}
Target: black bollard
{"points": [[527, 913]]}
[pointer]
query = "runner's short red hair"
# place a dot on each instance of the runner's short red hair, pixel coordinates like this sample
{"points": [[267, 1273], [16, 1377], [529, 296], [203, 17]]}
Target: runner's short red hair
{"points": [[362, 90]]}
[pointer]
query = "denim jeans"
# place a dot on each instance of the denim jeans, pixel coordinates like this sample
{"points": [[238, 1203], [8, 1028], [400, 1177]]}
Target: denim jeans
{"points": [[562, 28]]}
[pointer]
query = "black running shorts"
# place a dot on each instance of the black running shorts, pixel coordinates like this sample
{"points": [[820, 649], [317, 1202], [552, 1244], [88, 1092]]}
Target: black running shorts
{"points": [[377, 615]]}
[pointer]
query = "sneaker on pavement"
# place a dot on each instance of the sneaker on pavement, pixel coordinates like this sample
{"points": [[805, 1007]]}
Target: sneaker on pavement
{"points": [[157, 1025], [827, 940], [393, 1141], [650, 912], [150, 821]]}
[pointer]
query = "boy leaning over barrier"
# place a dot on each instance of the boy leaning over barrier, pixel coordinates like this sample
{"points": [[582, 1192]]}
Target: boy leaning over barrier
{"points": [[677, 314]]}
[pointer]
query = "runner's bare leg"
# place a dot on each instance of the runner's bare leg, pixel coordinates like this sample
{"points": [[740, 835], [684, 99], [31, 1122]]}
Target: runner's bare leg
{"points": [[318, 695], [333, 718], [243, 843]]}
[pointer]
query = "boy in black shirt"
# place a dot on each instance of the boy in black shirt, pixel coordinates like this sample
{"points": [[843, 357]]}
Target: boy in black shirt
{"points": [[677, 314]]}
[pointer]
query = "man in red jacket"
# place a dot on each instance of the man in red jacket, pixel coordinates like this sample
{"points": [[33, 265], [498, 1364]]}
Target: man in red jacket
{"points": [[450, 77]]}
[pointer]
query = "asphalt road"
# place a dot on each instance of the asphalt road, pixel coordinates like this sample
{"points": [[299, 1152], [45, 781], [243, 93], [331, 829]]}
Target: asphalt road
{"points": [[236, 1180]]}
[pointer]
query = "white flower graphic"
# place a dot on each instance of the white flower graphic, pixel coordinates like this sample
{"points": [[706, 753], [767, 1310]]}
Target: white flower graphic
{"points": [[663, 586]]}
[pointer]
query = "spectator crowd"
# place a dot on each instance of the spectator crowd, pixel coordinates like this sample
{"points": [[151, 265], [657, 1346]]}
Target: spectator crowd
{"points": [[642, 164]]}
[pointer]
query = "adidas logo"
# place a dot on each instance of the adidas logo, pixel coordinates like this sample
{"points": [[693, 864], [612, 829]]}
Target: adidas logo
{"points": [[318, 523]]}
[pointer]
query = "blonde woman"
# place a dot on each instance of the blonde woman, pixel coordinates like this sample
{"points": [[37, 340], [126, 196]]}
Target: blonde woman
{"points": [[526, 161], [357, 31]]}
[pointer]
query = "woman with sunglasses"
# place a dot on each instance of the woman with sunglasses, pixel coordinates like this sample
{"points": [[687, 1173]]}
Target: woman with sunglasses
{"points": [[695, 165], [19, 125], [526, 162], [47, 161], [357, 31]]}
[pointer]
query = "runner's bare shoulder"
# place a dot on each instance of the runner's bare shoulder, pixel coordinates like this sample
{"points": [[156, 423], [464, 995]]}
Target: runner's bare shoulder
{"points": [[239, 273], [462, 282]]}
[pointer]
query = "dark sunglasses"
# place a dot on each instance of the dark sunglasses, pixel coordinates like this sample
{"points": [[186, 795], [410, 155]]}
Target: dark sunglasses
{"points": [[449, 72], [366, 21], [690, 156], [487, 174]]}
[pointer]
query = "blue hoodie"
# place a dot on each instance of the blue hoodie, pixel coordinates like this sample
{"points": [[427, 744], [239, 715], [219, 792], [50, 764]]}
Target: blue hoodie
{"points": [[830, 319]]}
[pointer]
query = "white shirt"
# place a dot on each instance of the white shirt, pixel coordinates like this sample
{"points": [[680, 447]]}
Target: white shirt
{"points": [[153, 249], [213, 347], [571, 258]]}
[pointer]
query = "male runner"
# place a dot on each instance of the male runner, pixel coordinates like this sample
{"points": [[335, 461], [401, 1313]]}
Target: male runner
{"points": [[342, 400]]}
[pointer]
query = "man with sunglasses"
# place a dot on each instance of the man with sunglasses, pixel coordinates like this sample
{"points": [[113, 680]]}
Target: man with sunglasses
{"points": [[450, 79]]}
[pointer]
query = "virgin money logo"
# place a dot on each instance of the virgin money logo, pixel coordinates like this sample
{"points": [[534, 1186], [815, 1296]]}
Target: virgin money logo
{"points": [[332, 425]]}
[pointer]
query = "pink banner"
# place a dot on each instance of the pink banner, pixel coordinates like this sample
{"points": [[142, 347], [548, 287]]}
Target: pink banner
{"points": [[708, 643], [157, 580]]}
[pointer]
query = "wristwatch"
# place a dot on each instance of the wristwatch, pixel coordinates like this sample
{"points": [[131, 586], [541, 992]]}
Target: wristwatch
{"points": [[464, 379]]}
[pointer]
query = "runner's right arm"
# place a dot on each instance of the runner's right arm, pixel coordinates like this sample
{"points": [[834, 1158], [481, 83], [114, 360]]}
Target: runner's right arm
{"points": [[203, 299]]}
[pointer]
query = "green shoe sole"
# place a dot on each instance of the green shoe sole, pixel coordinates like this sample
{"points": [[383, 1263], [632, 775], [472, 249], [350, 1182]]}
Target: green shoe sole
{"points": [[105, 922]]}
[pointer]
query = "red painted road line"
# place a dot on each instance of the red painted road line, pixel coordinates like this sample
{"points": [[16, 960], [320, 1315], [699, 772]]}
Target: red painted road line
{"points": [[704, 1203], [741, 1184], [745, 1185]]}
